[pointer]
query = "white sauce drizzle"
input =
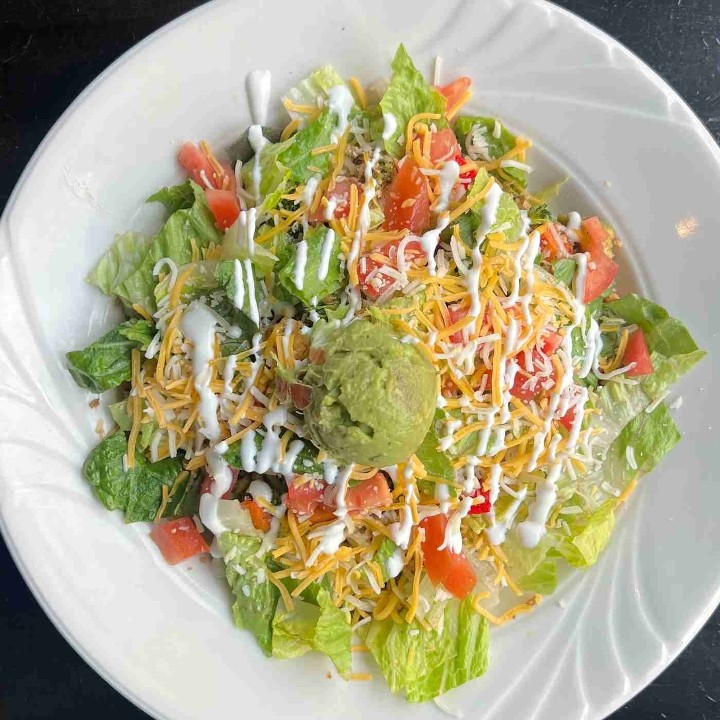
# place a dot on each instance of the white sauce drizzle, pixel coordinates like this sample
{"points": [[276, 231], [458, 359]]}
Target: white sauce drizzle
{"points": [[389, 125], [326, 250], [258, 84], [301, 252], [198, 325], [340, 102], [449, 175]]}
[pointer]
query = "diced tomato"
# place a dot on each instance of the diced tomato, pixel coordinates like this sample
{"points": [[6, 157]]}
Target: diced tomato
{"points": [[444, 146], [444, 567], [461, 579], [201, 170], [341, 195], [178, 540], [316, 355], [455, 90], [407, 203], [456, 313], [368, 494], [304, 499], [554, 242], [568, 419], [224, 206], [260, 517], [309, 498], [300, 395], [380, 281], [601, 268], [637, 352], [482, 507], [551, 341], [467, 178], [519, 390], [206, 485]]}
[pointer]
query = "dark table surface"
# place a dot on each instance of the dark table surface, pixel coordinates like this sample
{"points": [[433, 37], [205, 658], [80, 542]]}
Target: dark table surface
{"points": [[49, 51]]}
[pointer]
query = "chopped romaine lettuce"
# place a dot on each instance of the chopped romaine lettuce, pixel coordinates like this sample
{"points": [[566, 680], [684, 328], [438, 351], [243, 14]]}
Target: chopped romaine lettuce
{"points": [[136, 491], [225, 277], [589, 534], [133, 280], [386, 550], [274, 176], [564, 270], [531, 569], [651, 436], [119, 262], [175, 197], [549, 192], [313, 625], [313, 90], [184, 496], [476, 136], [313, 286], [201, 281], [539, 214], [436, 462], [426, 663], [306, 462], [408, 94], [298, 157], [256, 598], [664, 334], [106, 363]]}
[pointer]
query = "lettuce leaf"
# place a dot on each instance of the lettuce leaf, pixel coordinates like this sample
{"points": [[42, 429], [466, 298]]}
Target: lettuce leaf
{"points": [[136, 491], [306, 462], [119, 262], [313, 89], [664, 334], [317, 625], [297, 156], [313, 287], [436, 462], [544, 195], [256, 598], [426, 663], [125, 273], [495, 147], [651, 435], [531, 569], [274, 176], [564, 270], [106, 363], [386, 550], [590, 534], [184, 496], [139, 331], [407, 94], [175, 197]]}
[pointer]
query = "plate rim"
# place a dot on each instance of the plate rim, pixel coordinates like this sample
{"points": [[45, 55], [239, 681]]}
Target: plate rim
{"points": [[650, 75]]}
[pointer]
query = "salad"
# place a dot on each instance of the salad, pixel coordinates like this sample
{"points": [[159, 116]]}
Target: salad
{"points": [[366, 365]]}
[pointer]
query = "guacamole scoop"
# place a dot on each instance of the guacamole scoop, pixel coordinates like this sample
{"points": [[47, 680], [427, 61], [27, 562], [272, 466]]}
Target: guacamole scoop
{"points": [[372, 397]]}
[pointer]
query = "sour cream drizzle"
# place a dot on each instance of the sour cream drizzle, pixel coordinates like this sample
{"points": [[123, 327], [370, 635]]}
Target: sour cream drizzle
{"points": [[325, 253], [340, 102], [198, 325], [389, 126], [532, 529], [258, 85]]}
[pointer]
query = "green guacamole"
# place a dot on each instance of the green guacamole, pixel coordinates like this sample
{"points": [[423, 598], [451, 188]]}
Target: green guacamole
{"points": [[373, 397]]}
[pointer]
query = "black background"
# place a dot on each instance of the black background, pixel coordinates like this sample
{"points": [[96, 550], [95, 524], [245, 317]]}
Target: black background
{"points": [[49, 51]]}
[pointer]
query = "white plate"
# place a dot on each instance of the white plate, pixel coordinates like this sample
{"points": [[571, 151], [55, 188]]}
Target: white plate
{"points": [[163, 636]]}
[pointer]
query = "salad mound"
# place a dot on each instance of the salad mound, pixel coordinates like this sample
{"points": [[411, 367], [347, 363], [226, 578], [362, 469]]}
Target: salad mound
{"points": [[368, 365]]}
